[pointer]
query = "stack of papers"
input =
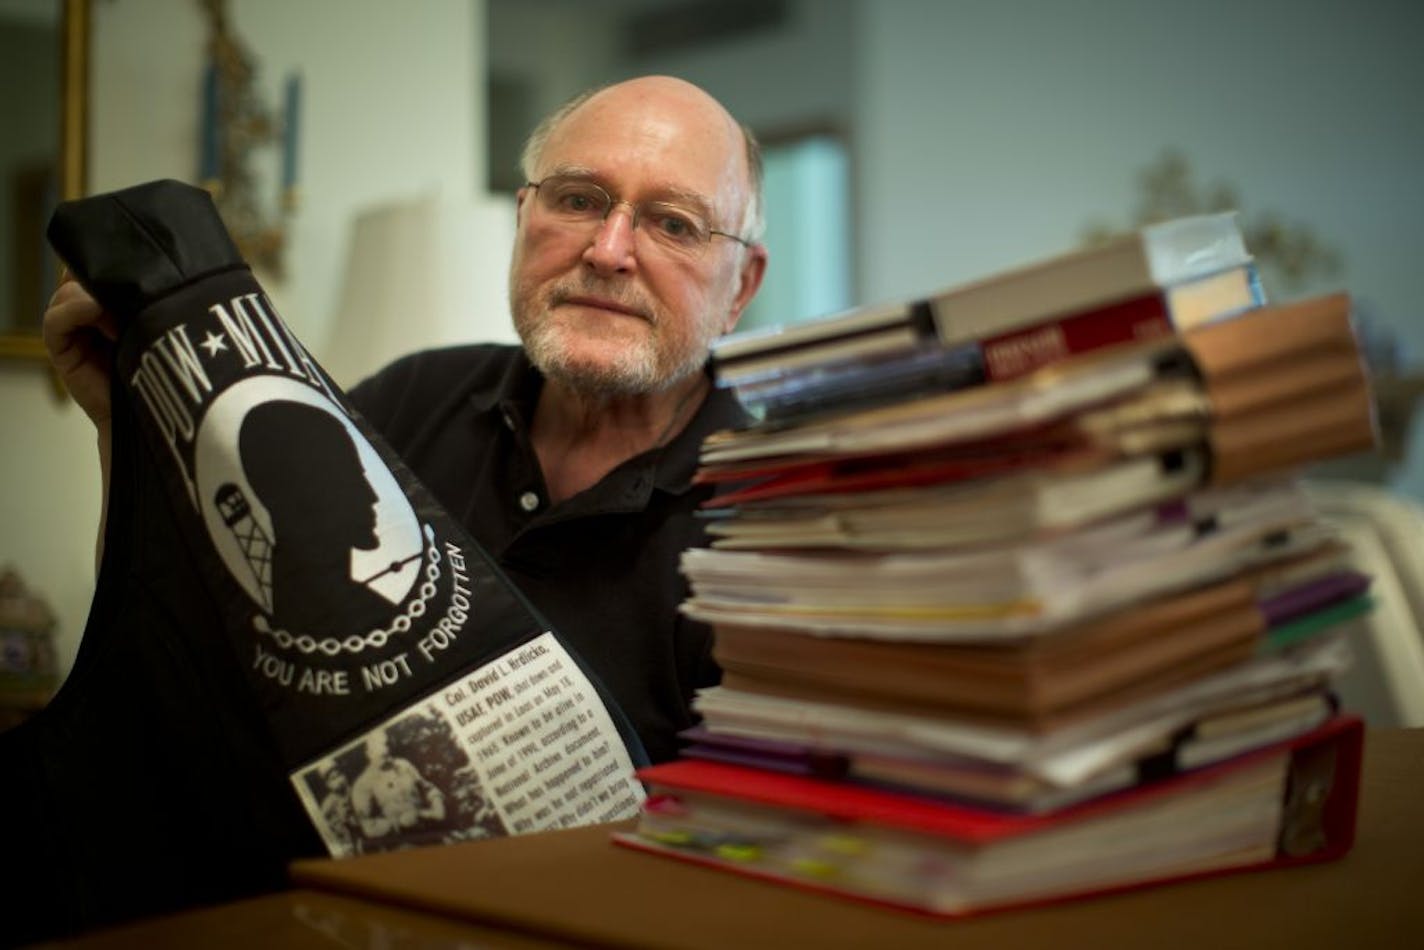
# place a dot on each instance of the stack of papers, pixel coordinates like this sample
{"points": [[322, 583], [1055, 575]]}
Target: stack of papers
{"points": [[1072, 607]]}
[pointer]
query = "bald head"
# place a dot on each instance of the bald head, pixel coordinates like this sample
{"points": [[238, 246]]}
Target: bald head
{"points": [[605, 312], [653, 96]]}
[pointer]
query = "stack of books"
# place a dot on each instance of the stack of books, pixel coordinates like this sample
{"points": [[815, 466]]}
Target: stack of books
{"points": [[1050, 618], [1169, 278]]}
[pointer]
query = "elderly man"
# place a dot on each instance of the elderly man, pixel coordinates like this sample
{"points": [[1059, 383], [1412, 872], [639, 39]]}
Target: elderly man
{"points": [[570, 458]]}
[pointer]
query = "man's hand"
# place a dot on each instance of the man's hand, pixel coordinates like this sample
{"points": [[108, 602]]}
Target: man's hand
{"points": [[80, 337]]}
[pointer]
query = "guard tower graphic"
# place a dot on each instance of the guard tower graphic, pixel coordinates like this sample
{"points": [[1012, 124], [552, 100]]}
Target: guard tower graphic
{"points": [[254, 543]]}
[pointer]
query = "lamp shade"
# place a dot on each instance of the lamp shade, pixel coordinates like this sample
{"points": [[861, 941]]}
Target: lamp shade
{"points": [[423, 273]]}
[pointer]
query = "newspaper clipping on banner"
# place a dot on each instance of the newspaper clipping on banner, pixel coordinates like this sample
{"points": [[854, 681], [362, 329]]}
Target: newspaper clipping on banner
{"points": [[521, 744]]}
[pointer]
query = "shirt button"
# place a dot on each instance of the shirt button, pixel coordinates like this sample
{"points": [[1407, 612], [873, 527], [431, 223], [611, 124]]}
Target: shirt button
{"points": [[529, 501]]}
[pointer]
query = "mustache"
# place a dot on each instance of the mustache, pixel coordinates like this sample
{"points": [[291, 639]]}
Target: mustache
{"points": [[622, 295]]}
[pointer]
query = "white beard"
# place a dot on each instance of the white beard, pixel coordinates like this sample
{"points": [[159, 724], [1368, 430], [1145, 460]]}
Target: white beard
{"points": [[633, 371], [642, 364]]}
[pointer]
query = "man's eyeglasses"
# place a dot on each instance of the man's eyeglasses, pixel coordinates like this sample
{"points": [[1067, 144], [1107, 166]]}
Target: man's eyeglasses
{"points": [[578, 203]]}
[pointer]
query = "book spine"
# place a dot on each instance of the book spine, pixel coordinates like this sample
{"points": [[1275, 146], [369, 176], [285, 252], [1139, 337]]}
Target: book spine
{"points": [[828, 355], [1020, 352], [751, 344], [862, 385]]}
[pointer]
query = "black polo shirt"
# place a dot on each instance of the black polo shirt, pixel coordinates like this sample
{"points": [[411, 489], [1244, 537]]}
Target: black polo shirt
{"points": [[602, 566]]}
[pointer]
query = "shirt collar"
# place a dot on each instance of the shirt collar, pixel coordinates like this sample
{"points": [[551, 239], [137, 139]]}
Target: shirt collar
{"points": [[518, 386], [673, 465], [677, 462]]}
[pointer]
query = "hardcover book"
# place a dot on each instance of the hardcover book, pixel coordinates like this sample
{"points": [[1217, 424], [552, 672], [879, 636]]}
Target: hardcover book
{"points": [[1157, 256], [1007, 591], [1161, 280], [964, 779], [1279, 386], [1124, 267], [1289, 803], [1066, 755], [840, 375]]}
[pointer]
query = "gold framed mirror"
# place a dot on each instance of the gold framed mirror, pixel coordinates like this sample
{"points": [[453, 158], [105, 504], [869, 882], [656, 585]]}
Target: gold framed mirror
{"points": [[50, 54]]}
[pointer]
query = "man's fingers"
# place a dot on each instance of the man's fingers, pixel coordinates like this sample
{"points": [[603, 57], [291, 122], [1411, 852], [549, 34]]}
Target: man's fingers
{"points": [[72, 307], [72, 311], [64, 322], [79, 337], [68, 289]]}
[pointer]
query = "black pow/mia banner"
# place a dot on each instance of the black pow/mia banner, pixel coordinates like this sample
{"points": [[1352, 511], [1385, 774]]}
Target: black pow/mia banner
{"points": [[289, 635], [347, 591]]}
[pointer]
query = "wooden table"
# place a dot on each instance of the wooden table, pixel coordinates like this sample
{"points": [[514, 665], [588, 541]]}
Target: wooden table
{"points": [[574, 887]]}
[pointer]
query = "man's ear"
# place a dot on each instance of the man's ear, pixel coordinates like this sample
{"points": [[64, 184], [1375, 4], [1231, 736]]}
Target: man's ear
{"points": [[753, 269]]}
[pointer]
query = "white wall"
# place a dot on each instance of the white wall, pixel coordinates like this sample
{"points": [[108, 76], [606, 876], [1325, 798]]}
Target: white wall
{"points": [[992, 131], [553, 46], [391, 109], [776, 78], [804, 72], [49, 497]]}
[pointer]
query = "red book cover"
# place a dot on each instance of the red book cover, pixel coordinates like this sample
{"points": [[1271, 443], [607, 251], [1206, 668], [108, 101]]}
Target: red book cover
{"points": [[961, 822], [1043, 448], [1020, 352], [1148, 316], [1317, 821]]}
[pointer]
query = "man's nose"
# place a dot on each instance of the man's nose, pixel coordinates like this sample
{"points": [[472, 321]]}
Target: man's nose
{"points": [[611, 250]]}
